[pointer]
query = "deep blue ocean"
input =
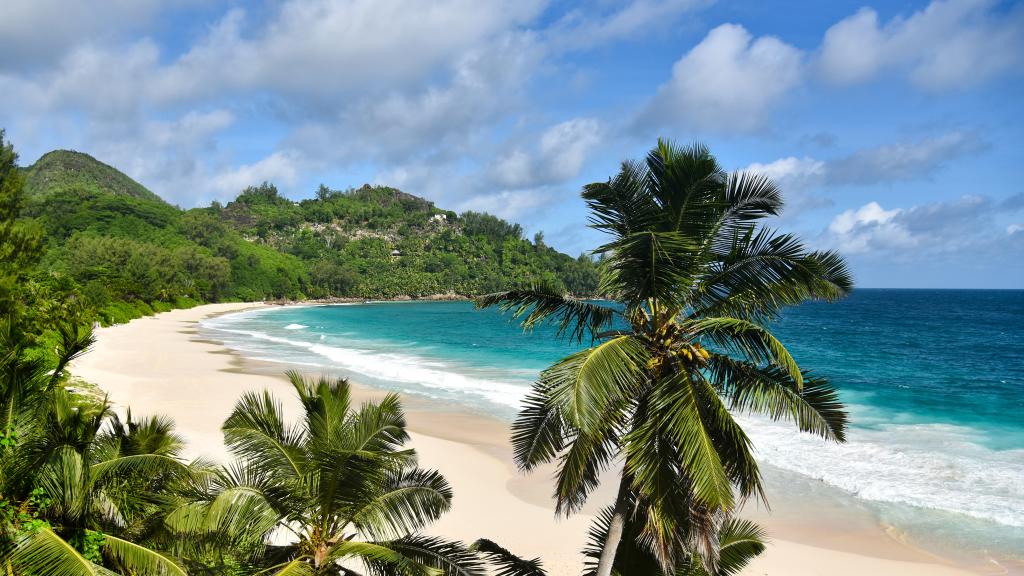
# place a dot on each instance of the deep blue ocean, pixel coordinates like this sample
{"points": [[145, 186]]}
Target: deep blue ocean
{"points": [[934, 380]]}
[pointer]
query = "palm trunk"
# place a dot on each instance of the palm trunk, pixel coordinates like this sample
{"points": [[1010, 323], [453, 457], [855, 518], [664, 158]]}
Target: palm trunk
{"points": [[615, 528]]}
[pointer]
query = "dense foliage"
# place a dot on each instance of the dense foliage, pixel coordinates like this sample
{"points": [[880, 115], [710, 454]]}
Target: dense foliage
{"points": [[120, 250]]}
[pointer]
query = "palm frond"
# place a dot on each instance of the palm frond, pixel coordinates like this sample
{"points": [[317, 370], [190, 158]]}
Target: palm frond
{"points": [[140, 464], [256, 431], [381, 559], [139, 559], [754, 275], [411, 500], [44, 552], [622, 204], [650, 265], [575, 318], [537, 433], [750, 339], [740, 542], [505, 563], [580, 466], [449, 557], [75, 340], [590, 384], [298, 567], [675, 412], [815, 407]]}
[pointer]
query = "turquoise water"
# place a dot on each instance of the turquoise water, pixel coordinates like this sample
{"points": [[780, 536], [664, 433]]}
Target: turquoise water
{"points": [[934, 381]]}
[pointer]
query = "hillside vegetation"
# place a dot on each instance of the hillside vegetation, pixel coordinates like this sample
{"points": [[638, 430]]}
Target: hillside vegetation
{"points": [[120, 250]]}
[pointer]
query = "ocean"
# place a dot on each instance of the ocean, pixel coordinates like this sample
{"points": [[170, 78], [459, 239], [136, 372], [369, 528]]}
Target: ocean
{"points": [[933, 379]]}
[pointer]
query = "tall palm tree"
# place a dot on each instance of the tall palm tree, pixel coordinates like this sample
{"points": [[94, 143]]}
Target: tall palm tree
{"points": [[686, 343], [76, 494], [336, 488]]}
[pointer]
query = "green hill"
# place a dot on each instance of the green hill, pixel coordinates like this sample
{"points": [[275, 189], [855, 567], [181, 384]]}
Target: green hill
{"points": [[63, 169], [122, 251]]}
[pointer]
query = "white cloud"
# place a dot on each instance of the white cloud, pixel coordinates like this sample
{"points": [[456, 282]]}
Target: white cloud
{"points": [[507, 204], [869, 227], [320, 50], [966, 225], [1014, 229], [587, 27], [557, 157], [800, 172], [948, 44], [903, 161], [280, 168], [727, 83]]}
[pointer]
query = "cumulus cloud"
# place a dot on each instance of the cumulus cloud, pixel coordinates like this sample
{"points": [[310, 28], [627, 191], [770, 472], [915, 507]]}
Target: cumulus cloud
{"points": [[319, 50], [557, 157], [727, 83], [869, 227], [960, 225], [948, 44], [901, 161]]}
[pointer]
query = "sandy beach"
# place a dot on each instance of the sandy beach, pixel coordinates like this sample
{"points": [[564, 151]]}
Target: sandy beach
{"points": [[161, 365]]}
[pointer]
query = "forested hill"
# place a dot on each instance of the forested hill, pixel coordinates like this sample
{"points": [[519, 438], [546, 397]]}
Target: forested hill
{"points": [[121, 250]]}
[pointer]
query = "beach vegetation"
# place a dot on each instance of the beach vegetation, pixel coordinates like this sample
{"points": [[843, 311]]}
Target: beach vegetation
{"points": [[335, 489], [694, 279], [82, 492]]}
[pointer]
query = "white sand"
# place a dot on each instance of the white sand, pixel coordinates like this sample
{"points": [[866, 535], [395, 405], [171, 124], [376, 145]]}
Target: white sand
{"points": [[158, 365]]}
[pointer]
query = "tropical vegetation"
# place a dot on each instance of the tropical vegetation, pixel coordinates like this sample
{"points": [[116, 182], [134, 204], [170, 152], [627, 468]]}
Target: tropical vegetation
{"points": [[120, 251], [333, 491], [695, 279]]}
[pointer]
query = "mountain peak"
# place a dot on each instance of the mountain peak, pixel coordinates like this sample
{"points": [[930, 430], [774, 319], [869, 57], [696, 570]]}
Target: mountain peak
{"points": [[68, 169]]}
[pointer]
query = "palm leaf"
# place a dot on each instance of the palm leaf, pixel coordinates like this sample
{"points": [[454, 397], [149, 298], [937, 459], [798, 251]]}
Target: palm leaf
{"points": [[752, 340], [451, 558], [141, 464], [297, 567], [588, 385], [575, 318], [814, 408], [256, 432], [44, 552], [740, 542], [139, 559], [411, 500], [675, 412], [506, 563], [381, 559], [537, 433]]}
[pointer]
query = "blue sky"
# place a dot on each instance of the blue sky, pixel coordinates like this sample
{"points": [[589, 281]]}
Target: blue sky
{"points": [[895, 128]]}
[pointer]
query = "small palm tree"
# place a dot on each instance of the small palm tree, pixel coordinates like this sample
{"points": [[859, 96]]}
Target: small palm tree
{"points": [[76, 495], [337, 488], [695, 282]]}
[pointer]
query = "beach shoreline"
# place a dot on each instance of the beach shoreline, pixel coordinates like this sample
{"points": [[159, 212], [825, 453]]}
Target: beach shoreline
{"points": [[162, 364]]}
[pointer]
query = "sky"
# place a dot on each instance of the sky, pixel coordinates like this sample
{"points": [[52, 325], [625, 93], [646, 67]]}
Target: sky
{"points": [[895, 129]]}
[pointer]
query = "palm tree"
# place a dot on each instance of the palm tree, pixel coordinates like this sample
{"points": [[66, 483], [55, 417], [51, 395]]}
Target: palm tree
{"points": [[77, 496], [695, 281], [739, 541], [337, 488]]}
